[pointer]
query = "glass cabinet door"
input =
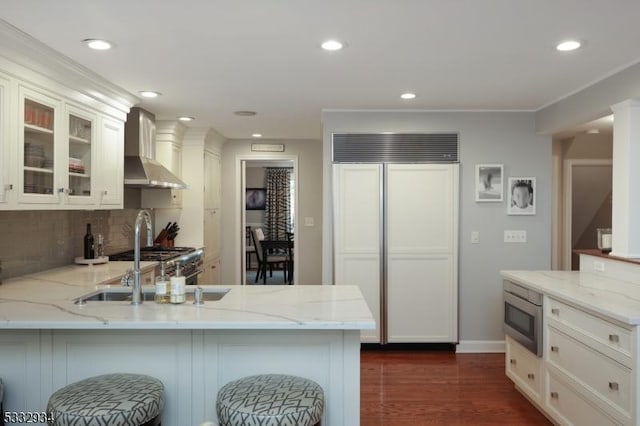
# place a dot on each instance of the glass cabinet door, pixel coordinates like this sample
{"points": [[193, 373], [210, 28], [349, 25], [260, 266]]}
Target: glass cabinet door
{"points": [[38, 148], [81, 130]]}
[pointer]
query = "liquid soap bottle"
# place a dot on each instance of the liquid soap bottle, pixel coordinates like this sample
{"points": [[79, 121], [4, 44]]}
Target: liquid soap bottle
{"points": [[163, 288], [178, 287]]}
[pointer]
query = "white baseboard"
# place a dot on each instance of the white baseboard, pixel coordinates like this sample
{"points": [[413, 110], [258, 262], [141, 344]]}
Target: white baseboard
{"points": [[480, 346]]}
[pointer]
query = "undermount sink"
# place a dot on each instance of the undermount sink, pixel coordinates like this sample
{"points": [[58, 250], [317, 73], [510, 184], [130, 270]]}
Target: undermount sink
{"points": [[148, 293]]}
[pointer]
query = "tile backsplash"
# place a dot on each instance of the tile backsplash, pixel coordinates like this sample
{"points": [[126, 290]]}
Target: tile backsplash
{"points": [[39, 240]]}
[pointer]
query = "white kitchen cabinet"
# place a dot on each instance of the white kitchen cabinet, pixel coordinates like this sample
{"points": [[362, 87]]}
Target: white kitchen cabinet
{"points": [[111, 163], [589, 358], [525, 369], [588, 374], [41, 148], [395, 234], [82, 157], [212, 168], [59, 148], [567, 407], [211, 272]]}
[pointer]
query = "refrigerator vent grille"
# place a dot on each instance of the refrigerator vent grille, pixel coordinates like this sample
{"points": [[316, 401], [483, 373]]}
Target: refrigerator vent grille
{"points": [[395, 148]]}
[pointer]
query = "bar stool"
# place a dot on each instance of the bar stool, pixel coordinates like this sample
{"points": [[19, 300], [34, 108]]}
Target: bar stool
{"points": [[110, 399], [270, 399]]}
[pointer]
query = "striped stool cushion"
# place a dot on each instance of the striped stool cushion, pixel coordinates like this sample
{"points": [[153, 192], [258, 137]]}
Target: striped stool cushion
{"points": [[110, 399], [270, 399]]}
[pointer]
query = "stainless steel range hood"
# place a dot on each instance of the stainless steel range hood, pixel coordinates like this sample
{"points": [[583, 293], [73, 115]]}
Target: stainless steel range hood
{"points": [[141, 170]]}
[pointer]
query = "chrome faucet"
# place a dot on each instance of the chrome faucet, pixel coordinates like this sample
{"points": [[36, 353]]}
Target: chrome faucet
{"points": [[143, 215]]}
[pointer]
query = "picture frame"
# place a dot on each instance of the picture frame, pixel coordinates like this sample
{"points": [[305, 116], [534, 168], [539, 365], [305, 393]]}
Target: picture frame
{"points": [[522, 196], [256, 199], [489, 183]]}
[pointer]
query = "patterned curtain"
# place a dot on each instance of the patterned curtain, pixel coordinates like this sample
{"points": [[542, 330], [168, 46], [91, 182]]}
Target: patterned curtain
{"points": [[278, 209]]}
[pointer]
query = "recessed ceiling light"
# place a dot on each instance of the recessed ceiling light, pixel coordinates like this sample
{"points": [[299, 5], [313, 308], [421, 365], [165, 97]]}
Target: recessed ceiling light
{"points": [[97, 44], [257, 135], [593, 131], [408, 96], [186, 118], [245, 113], [150, 94], [332, 45], [568, 45]]}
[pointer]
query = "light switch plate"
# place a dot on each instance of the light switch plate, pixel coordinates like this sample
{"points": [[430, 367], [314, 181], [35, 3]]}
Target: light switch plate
{"points": [[515, 236], [475, 237], [308, 221]]}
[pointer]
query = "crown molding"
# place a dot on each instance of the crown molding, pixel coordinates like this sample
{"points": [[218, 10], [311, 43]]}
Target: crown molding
{"points": [[21, 49]]}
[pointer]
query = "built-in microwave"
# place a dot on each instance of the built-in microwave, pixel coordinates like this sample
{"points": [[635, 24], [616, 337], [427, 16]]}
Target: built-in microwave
{"points": [[523, 316]]}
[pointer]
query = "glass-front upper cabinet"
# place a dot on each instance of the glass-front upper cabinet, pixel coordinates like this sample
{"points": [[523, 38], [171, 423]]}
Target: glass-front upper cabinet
{"points": [[38, 149], [81, 155]]}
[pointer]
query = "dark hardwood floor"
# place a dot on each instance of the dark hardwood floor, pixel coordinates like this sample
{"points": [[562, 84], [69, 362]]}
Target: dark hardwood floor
{"points": [[422, 387]]}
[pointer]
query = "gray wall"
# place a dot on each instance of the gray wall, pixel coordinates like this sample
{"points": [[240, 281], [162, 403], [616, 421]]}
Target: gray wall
{"points": [[309, 195], [508, 138]]}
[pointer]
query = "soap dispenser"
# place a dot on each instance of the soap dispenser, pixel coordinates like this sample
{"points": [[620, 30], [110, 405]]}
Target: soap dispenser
{"points": [[178, 287], [163, 289]]}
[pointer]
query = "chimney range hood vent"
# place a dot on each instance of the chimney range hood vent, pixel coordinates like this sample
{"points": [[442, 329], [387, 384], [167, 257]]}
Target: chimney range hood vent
{"points": [[141, 170]]}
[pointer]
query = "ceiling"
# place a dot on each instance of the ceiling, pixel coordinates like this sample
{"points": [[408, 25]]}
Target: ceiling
{"points": [[212, 57]]}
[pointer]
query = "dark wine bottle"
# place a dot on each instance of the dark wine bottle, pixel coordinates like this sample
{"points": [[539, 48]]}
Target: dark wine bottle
{"points": [[89, 252]]}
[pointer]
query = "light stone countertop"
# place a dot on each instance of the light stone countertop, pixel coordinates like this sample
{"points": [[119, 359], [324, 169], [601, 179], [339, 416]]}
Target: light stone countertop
{"points": [[45, 300], [609, 297]]}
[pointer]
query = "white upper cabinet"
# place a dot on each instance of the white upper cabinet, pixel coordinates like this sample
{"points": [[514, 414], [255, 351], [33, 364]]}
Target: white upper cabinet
{"points": [[212, 168], [40, 150], [82, 157], [61, 130], [57, 153], [111, 166]]}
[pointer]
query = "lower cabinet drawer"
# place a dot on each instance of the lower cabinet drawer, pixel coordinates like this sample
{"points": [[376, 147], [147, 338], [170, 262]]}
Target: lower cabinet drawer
{"points": [[605, 332], [524, 368], [569, 408], [610, 380]]}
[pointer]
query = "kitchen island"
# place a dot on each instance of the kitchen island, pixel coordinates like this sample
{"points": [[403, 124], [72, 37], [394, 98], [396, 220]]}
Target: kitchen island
{"points": [[48, 341], [589, 372]]}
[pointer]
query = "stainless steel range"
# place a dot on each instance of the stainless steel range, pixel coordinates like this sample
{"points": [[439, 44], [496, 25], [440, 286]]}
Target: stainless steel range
{"points": [[188, 259]]}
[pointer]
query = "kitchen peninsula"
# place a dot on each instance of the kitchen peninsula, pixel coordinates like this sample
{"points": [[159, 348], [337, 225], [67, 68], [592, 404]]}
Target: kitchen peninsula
{"points": [[48, 341], [588, 372]]}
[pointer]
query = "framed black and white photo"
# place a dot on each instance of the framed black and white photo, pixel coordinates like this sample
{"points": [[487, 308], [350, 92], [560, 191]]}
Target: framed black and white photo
{"points": [[489, 184], [256, 198], [522, 196]]}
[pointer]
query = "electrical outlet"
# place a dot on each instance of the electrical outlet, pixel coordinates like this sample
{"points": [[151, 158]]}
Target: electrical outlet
{"points": [[598, 266], [511, 236], [475, 237]]}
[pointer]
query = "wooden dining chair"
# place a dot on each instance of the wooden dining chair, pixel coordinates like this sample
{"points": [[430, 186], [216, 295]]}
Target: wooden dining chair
{"points": [[249, 246], [265, 259]]}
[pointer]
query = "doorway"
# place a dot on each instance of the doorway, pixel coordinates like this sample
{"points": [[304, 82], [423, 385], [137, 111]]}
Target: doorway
{"points": [[256, 212], [587, 201]]}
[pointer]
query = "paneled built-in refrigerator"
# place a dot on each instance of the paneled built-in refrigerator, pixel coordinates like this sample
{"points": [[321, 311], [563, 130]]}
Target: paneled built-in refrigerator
{"points": [[396, 237]]}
